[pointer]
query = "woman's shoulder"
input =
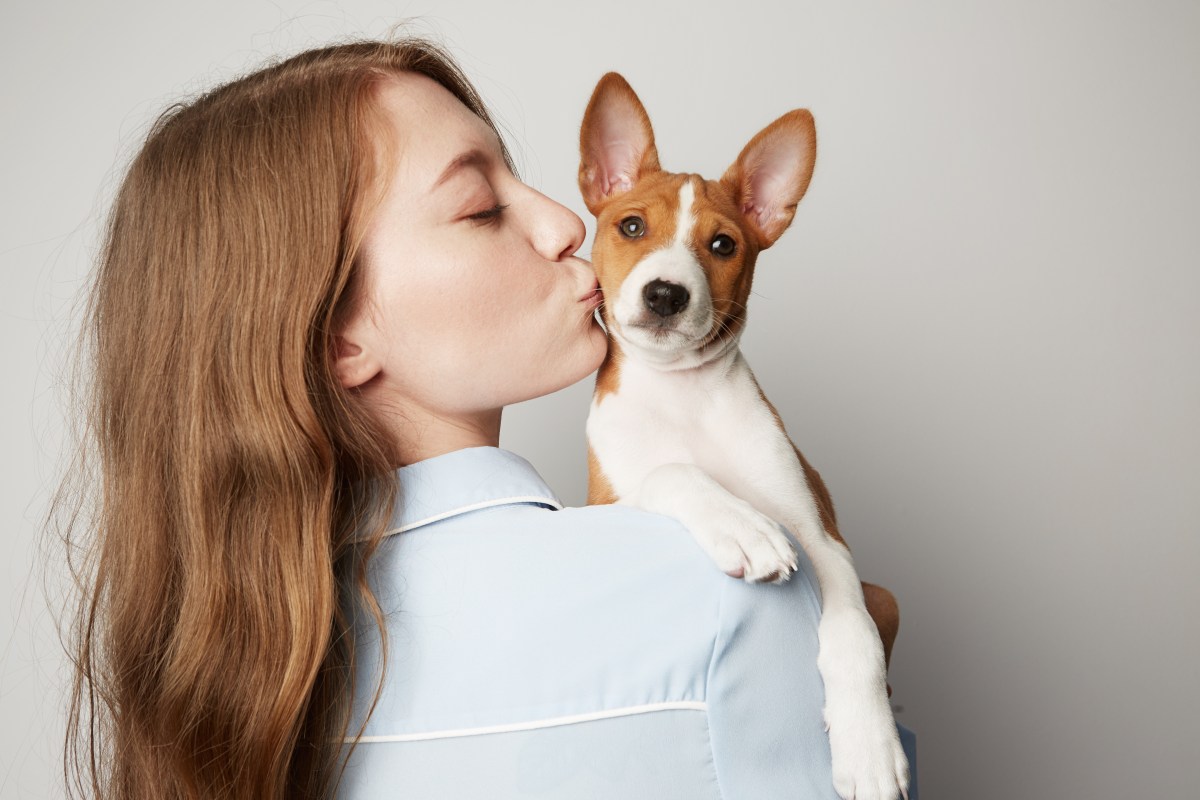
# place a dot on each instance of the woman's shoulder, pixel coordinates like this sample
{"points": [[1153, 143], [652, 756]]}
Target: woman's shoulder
{"points": [[522, 612], [658, 554], [520, 621], [665, 562], [595, 562]]}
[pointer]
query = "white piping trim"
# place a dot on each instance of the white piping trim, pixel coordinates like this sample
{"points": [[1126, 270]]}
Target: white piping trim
{"points": [[484, 504], [690, 705]]}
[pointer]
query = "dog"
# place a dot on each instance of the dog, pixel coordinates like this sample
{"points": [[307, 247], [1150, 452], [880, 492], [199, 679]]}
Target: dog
{"points": [[678, 425]]}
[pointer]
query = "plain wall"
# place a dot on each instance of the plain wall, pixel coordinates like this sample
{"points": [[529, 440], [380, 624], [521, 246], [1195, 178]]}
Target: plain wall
{"points": [[982, 327]]}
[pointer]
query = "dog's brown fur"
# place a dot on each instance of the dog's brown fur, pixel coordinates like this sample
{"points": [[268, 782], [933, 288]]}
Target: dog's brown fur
{"points": [[654, 197]]}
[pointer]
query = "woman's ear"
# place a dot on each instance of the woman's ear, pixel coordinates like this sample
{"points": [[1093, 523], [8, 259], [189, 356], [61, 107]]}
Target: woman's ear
{"points": [[353, 358]]}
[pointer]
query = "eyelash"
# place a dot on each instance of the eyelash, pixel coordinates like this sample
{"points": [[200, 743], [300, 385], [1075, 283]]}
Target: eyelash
{"points": [[489, 216]]}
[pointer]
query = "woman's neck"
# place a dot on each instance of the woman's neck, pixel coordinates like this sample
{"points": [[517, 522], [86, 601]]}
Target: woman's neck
{"points": [[421, 434]]}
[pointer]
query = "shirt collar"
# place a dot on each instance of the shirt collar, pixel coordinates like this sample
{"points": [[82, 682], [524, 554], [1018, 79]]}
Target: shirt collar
{"points": [[466, 480]]}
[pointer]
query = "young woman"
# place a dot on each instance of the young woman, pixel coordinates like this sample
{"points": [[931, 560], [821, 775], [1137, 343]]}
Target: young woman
{"points": [[313, 570]]}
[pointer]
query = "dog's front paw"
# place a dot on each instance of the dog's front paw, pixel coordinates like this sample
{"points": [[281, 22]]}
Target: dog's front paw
{"points": [[868, 760], [745, 543], [868, 764]]}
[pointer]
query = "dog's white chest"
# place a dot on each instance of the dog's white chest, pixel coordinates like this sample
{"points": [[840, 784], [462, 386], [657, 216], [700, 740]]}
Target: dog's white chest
{"points": [[707, 417]]}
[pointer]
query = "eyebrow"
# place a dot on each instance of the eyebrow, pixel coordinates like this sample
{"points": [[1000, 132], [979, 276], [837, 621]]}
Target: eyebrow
{"points": [[475, 157]]}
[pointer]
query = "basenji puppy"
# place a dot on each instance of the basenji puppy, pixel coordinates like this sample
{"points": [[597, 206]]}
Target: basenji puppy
{"points": [[678, 424]]}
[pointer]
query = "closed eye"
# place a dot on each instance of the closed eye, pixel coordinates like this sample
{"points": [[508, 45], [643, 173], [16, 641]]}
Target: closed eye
{"points": [[490, 215]]}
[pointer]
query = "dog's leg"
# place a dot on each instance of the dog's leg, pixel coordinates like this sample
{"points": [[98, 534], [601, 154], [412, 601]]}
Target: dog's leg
{"points": [[881, 604], [868, 761], [742, 541]]}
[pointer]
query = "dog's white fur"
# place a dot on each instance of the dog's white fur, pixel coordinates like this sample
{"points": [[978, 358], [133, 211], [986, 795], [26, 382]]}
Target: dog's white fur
{"points": [[688, 435]]}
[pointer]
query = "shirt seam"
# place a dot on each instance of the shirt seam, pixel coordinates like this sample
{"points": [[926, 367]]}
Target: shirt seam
{"points": [[529, 725], [554, 503], [712, 660]]}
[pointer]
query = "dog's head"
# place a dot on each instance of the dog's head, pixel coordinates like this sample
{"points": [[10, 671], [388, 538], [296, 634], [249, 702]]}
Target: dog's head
{"points": [[674, 252]]}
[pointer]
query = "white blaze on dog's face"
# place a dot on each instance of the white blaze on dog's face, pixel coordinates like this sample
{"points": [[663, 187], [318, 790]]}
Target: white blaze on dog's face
{"points": [[675, 253], [674, 263]]}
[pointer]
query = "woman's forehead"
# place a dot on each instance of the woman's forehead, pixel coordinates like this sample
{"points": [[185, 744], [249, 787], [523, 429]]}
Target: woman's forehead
{"points": [[430, 126]]}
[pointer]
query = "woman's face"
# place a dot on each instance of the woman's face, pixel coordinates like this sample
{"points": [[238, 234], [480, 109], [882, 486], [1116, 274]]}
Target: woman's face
{"points": [[473, 297]]}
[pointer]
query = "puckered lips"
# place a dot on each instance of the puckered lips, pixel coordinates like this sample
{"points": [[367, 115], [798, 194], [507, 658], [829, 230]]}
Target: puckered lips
{"points": [[593, 296]]}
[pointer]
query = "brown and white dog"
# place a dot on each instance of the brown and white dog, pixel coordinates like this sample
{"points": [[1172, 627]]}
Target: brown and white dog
{"points": [[678, 424]]}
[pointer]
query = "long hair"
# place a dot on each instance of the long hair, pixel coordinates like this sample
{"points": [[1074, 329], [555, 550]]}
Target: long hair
{"points": [[228, 491]]}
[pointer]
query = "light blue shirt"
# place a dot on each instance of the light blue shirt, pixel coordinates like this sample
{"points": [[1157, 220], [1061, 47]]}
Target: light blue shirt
{"points": [[536, 651]]}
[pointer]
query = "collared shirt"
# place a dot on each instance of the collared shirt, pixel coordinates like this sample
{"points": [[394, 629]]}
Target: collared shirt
{"points": [[537, 651]]}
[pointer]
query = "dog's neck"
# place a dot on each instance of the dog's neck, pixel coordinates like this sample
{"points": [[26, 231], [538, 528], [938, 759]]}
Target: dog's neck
{"points": [[715, 356]]}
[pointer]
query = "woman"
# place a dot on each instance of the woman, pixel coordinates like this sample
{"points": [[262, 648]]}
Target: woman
{"points": [[314, 571]]}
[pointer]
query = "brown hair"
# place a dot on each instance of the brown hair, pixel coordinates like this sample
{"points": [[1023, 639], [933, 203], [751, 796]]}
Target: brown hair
{"points": [[232, 489]]}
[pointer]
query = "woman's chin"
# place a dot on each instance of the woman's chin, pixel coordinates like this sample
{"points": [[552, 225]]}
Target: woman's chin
{"points": [[594, 349]]}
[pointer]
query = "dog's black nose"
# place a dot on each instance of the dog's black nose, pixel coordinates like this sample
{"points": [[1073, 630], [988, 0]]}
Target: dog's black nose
{"points": [[665, 298]]}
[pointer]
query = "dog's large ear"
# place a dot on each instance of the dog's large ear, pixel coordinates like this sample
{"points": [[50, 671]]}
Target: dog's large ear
{"points": [[772, 174], [616, 142]]}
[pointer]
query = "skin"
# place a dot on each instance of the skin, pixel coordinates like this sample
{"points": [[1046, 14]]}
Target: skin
{"points": [[466, 310]]}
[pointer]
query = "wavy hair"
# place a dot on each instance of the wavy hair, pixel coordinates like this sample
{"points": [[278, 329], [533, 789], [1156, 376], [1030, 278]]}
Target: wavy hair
{"points": [[228, 492]]}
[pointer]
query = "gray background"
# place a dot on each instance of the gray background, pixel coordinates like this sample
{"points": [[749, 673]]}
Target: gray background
{"points": [[982, 326]]}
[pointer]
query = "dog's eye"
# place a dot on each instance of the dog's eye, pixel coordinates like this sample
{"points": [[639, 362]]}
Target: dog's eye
{"points": [[632, 227], [723, 245]]}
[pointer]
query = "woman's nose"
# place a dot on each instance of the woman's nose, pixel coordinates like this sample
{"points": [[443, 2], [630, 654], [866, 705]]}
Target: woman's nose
{"points": [[558, 231]]}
